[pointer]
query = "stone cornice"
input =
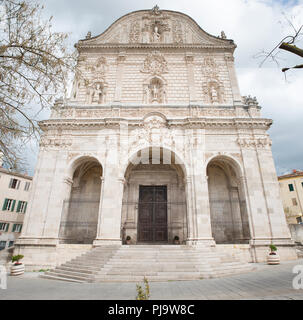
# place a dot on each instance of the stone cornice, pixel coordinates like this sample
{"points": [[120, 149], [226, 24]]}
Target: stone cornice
{"points": [[230, 47], [186, 123]]}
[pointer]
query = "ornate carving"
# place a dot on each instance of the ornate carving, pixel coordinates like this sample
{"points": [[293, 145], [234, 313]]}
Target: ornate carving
{"points": [[134, 35], [177, 32], [95, 92], [254, 142], [155, 64], [55, 143], [209, 68], [249, 101]]}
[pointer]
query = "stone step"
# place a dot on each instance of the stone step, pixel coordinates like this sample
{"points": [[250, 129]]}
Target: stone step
{"points": [[70, 275], [76, 269], [76, 273], [55, 277], [83, 266]]}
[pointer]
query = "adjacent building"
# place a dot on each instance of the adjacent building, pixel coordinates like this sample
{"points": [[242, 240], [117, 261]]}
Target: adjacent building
{"points": [[14, 195], [291, 187]]}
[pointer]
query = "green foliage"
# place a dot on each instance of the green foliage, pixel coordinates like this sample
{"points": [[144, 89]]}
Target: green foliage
{"points": [[17, 257], [128, 238], [272, 248], [143, 294]]}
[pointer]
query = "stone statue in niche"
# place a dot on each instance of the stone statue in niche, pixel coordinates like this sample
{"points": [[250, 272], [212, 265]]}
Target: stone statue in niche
{"points": [[213, 95], [89, 92], [95, 92], [156, 34], [155, 92]]}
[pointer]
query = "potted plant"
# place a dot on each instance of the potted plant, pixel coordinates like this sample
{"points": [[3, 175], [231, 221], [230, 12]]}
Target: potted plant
{"points": [[273, 257], [176, 240], [17, 267], [128, 239]]}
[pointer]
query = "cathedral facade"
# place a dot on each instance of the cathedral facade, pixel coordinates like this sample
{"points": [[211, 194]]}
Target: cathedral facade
{"points": [[155, 146]]}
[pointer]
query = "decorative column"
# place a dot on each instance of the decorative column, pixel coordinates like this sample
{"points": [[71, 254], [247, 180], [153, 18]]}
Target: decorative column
{"points": [[189, 58], [109, 224], [100, 209], [119, 77], [189, 207], [202, 217], [233, 80], [66, 194]]}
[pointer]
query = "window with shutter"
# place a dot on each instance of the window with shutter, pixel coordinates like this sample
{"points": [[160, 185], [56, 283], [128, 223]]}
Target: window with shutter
{"points": [[4, 204], [13, 205]]}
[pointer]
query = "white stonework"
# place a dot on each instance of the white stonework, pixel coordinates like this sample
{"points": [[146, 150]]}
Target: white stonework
{"points": [[155, 102]]}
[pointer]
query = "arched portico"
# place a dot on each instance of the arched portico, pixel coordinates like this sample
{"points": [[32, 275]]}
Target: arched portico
{"points": [[154, 206], [228, 209], [79, 217]]}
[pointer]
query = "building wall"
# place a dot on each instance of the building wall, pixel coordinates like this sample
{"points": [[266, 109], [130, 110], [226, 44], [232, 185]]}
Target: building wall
{"points": [[12, 217], [292, 200]]}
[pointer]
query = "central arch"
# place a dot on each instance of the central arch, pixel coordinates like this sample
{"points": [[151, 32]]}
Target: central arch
{"points": [[154, 198]]}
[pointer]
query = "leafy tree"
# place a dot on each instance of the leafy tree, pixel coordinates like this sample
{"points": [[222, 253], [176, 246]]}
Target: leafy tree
{"points": [[35, 65]]}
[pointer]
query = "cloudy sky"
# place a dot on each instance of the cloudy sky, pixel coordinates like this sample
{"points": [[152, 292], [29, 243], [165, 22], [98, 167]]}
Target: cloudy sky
{"points": [[254, 25]]}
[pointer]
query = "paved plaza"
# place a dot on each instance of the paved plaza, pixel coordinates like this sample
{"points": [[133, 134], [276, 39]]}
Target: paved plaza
{"points": [[267, 282]]}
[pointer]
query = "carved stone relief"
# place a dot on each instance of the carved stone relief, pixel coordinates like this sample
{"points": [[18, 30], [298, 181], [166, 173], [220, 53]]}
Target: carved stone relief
{"points": [[134, 35], [177, 32], [155, 64], [253, 143]]}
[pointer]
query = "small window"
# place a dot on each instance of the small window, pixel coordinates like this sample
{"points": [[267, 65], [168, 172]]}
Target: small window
{"points": [[27, 185], [14, 183], [291, 187], [299, 220], [294, 202], [4, 226], [302, 184], [9, 205], [17, 227], [10, 244], [21, 207], [2, 245]]}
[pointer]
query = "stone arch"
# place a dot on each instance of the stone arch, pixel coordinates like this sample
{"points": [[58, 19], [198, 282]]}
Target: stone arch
{"points": [[79, 218], [154, 168], [228, 208], [133, 157]]}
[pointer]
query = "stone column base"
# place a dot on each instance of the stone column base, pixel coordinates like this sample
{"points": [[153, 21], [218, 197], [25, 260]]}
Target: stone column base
{"points": [[107, 242]]}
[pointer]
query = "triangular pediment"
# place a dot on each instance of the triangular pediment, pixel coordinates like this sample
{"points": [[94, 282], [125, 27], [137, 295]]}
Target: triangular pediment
{"points": [[156, 27]]}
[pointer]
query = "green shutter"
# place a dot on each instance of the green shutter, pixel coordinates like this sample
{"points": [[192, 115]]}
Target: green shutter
{"points": [[4, 204], [13, 205], [21, 228], [14, 228], [18, 206], [7, 225], [25, 207]]}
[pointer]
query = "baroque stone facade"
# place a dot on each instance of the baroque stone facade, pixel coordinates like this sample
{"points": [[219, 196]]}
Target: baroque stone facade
{"points": [[155, 143]]}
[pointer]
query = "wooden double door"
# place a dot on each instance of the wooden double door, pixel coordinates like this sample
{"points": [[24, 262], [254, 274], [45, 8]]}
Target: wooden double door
{"points": [[152, 216]]}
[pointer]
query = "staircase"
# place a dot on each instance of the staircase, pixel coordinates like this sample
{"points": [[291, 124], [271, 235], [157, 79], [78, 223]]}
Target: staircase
{"points": [[155, 262]]}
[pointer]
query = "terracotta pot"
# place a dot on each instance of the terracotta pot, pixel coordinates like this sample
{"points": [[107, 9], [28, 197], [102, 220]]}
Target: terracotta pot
{"points": [[127, 241], [176, 241], [17, 269], [273, 259]]}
